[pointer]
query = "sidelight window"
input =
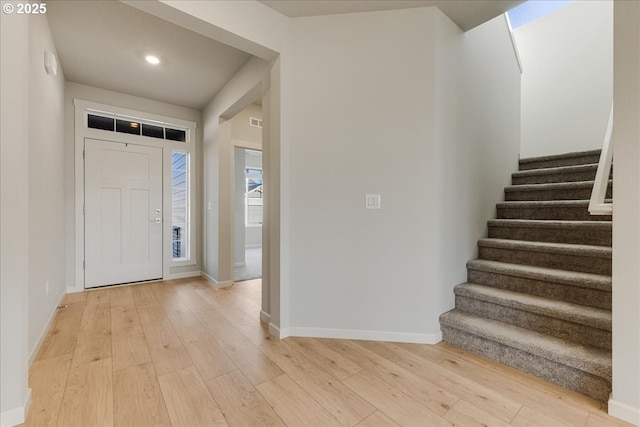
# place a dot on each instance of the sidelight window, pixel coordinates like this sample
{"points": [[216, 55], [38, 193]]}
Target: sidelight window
{"points": [[180, 206]]}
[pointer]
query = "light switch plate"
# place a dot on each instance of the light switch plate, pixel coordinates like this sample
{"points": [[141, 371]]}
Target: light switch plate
{"points": [[372, 201]]}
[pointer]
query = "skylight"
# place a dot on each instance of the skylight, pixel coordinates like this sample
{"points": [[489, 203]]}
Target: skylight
{"points": [[534, 9]]}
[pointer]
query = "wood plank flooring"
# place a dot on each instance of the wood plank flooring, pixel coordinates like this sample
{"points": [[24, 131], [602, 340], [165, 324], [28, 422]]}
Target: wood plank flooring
{"points": [[183, 353]]}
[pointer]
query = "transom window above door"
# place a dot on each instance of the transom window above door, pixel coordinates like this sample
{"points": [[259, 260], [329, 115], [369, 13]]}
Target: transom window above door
{"points": [[134, 126]]}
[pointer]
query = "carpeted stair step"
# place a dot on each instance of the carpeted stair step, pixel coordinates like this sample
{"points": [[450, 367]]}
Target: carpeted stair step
{"points": [[577, 210], [596, 233], [554, 161], [577, 367], [539, 296], [573, 322], [587, 289], [556, 191], [583, 258], [552, 175]]}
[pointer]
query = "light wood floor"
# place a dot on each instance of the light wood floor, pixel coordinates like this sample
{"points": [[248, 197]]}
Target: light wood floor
{"points": [[183, 353]]}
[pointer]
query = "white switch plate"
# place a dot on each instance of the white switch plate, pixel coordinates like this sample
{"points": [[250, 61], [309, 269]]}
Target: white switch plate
{"points": [[372, 201]]}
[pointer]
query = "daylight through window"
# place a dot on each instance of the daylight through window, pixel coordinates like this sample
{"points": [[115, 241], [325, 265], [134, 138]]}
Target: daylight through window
{"points": [[253, 196], [180, 215]]}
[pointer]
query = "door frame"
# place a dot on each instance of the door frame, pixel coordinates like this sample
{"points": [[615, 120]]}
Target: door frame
{"points": [[82, 132]]}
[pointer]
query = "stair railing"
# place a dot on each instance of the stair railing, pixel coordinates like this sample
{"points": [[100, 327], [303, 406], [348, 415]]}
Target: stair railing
{"points": [[597, 205]]}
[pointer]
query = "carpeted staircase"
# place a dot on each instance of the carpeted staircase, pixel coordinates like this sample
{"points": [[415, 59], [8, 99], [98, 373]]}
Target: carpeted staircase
{"points": [[539, 296]]}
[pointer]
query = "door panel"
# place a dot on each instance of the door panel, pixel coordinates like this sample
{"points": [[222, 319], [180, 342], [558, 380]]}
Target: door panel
{"points": [[140, 209], [123, 234]]}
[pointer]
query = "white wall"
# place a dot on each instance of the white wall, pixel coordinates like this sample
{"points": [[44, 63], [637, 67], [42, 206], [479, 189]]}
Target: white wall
{"points": [[567, 58], [46, 184], [362, 122], [489, 122], [14, 214], [376, 110], [116, 99], [452, 244], [253, 237], [242, 133], [625, 399]]}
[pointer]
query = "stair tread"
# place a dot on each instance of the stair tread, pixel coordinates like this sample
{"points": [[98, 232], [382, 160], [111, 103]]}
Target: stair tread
{"points": [[560, 156], [550, 223], [560, 248], [585, 358], [556, 170], [545, 203], [585, 280], [549, 210], [589, 316], [552, 186]]}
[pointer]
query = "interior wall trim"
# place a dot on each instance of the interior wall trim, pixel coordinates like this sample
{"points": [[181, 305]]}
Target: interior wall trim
{"points": [[358, 334]]}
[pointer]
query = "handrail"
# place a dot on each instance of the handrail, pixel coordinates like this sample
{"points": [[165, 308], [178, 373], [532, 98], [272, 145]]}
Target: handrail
{"points": [[597, 205]]}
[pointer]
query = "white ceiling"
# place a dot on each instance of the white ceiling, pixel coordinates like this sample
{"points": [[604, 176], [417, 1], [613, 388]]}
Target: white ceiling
{"points": [[466, 14], [103, 44]]}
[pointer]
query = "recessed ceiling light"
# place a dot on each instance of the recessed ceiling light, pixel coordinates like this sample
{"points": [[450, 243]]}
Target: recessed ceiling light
{"points": [[152, 59]]}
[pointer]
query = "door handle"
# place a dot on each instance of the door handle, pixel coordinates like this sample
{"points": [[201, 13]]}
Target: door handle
{"points": [[157, 220]]}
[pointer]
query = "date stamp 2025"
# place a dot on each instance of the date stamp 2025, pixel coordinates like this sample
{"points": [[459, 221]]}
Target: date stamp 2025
{"points": [[24, 8]]}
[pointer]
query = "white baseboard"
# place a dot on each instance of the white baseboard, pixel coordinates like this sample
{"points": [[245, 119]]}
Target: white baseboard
{"points": [[185, 275], [215, 283], [74, 289], [240, 264], [265, 317], [356, 334], [223, 284], [44, 333], [16, 416], [277, 332], [624, 412]]}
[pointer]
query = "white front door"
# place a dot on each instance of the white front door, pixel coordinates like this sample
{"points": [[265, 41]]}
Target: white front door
{"points": [[123, 213]]}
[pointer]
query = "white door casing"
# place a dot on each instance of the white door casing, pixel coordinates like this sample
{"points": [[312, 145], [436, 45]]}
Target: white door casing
{"points": [[123, 213]]}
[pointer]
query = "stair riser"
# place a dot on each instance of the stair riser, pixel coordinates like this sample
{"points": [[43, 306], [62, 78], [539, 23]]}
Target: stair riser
{"points": [[551, 178], [580, 236], [550, 213], [586, 264], [560, 328], [555, 194], [567, 377], [570, 161], [559, 291]]}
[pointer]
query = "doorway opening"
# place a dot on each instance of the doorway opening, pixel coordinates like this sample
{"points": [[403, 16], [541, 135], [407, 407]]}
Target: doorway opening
{"points": [[248, 214]]}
